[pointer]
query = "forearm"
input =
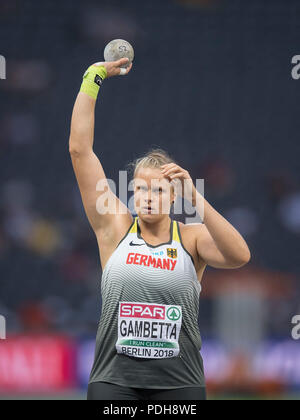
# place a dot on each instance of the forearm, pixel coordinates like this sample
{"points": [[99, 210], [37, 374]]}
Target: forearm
{"points": [[83, 117], [227, 239], [82, 124]]}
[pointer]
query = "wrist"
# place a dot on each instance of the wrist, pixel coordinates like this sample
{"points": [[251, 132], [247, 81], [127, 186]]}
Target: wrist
{"points": [[92, 80]]}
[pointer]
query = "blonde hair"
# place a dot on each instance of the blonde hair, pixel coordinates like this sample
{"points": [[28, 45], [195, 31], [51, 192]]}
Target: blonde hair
{"points": [[154, 158]]}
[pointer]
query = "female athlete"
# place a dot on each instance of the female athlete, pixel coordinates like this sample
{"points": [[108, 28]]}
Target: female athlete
{"points": [[148, 341]]}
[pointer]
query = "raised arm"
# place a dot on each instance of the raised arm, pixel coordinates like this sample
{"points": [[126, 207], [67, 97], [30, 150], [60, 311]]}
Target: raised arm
{"points": [[87, 167], [218, 243]]}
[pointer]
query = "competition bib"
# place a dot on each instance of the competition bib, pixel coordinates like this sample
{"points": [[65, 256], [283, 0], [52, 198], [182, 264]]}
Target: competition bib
{"points": [[148, 330]]}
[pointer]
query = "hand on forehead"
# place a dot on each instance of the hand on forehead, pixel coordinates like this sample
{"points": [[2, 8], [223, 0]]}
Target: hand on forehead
{"points": [[151, 176]]}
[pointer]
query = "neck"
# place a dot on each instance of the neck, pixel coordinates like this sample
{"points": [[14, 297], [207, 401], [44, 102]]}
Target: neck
{"points": [[160, 228]]}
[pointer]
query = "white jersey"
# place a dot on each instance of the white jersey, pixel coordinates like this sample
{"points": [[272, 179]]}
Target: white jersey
{"points": [[150, 305]]}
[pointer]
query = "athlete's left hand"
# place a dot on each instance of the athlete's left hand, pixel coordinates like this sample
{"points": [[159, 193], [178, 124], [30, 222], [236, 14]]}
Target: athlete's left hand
{"points": [[181, 180]]}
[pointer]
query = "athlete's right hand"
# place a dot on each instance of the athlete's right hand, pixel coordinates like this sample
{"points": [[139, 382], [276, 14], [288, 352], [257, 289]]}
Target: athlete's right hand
{"points": [[113, 68]]}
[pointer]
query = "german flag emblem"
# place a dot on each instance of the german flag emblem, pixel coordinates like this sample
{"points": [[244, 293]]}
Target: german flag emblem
{"points": [[172, 252]]}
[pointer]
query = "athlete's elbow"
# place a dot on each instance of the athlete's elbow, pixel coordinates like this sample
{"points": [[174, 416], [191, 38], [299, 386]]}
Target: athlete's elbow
{"points": [[247, 256], [79, 143], [76, 149], [242, 259]]}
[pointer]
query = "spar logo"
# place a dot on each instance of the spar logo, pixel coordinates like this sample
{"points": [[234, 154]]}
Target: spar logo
{"points": [[142, 310], [173, 313]]}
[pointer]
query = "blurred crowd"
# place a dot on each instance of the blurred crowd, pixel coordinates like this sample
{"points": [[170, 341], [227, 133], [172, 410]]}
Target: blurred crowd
{"points": [[207, 85]]}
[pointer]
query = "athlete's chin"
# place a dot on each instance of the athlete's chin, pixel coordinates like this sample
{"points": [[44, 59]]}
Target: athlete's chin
{"points": [[151, 216]]}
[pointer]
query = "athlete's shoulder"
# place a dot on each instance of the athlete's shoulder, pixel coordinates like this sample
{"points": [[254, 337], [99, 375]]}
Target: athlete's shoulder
{"points": [[191, 232], [113, 232], [191, 227]]}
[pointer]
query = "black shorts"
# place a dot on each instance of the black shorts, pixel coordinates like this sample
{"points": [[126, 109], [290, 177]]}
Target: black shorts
{"points": [[108, 391]]}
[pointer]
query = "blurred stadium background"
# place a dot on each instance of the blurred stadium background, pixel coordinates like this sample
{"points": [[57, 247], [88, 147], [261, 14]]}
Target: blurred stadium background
{"points": [[211, 84]]}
